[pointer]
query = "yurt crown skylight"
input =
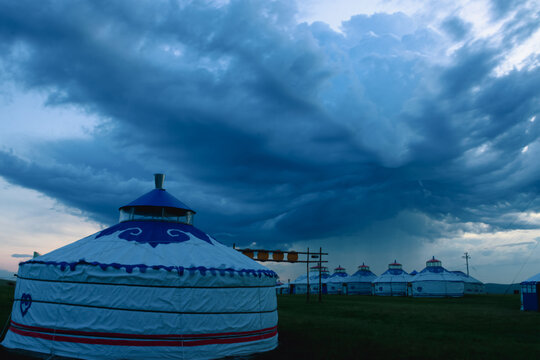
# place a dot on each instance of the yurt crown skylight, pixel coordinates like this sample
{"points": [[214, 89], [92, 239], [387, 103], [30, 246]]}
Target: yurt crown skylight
{"points": [[364, 267], [433, 263], [157, 205]]}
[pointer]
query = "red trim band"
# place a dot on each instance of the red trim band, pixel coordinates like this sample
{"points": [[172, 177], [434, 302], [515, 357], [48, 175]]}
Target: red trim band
{"points": [[135, 336], [103, 338], [123, 342]]}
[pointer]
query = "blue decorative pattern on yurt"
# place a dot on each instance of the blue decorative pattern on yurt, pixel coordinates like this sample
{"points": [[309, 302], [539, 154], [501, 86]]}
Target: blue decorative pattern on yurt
{"points": [[155, 232], [143, 268]]}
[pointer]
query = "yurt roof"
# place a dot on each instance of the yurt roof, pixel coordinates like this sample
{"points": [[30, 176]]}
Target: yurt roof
{"points": [[339, 272], [363, 274], [436, 273], [159, 198], [533, 279], [467, 278], [393, 275], [313, 278], [141, 245], [338, 276]]}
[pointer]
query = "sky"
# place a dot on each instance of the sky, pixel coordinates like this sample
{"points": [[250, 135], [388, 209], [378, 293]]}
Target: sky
{"points": [[377, 130]]}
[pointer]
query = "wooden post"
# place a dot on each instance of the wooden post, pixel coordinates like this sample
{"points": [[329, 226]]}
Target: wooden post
{"points": [[320, 270], [307, 266], [289, 286]]}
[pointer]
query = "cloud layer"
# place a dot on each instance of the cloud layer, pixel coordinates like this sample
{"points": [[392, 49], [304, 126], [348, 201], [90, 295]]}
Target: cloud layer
{"points": [[277, 131]]}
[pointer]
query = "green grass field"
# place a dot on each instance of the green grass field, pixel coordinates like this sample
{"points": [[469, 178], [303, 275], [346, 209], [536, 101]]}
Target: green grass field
{"points": [[365, 327]]}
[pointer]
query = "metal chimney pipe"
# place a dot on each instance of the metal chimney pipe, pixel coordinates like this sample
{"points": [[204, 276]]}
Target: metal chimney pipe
{"points": [[159, 179]]}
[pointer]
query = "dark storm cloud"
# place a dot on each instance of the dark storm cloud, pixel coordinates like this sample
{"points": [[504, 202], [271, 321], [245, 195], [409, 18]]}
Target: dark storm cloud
{"points": [[456, 27], [272, 130]]}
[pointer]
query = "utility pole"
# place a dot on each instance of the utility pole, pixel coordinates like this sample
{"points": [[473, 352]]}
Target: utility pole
{"points": [[467, 257]]}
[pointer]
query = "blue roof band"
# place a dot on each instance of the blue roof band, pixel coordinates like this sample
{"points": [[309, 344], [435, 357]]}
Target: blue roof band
{"points": [[64, 265], [158, 198]]}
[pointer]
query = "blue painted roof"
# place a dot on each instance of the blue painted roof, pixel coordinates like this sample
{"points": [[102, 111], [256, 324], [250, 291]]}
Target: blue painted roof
{"points": [[364, 273], [339, 274], [159, 198], [395, 272]]}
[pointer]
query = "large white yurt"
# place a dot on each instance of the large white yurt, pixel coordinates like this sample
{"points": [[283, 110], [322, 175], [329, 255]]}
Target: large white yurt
{"points": [[472, 285], [334, 284], [301, 283], [436, 281], [530, 294], [359, 283], [392, 282], [152, 286]]}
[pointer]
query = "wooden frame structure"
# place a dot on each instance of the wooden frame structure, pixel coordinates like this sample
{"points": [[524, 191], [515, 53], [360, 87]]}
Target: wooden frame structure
{"points": [[291, 257]]}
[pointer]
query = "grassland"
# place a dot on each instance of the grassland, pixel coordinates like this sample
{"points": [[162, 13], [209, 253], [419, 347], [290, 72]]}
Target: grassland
{"points": [[365, 327]]}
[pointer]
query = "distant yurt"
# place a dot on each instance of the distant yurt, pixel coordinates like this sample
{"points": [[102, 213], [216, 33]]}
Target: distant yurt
{"points": [[436, 281], [392, 282], [471, 285], [359, 283], [412, 273], [530, 291], [282, 288], [301, 282], [334, 283], [152, 286]]}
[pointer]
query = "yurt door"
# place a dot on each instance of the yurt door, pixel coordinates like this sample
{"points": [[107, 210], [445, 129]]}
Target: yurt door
{"points": [[530, 297]]}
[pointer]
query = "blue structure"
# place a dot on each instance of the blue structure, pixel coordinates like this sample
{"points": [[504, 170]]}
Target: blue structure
{"points": [[436, 281], [152, 286], [359, 283], [530, 288], [334, 283], [392, 282]]}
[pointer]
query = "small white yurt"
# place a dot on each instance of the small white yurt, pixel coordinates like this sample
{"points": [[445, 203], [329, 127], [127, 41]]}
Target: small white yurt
{"points": [[152, 286], [301, 283], [472, 285], [334, 284], [392, 282], [359, 283], [530, 294], [436, 281], [282, 288]]}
